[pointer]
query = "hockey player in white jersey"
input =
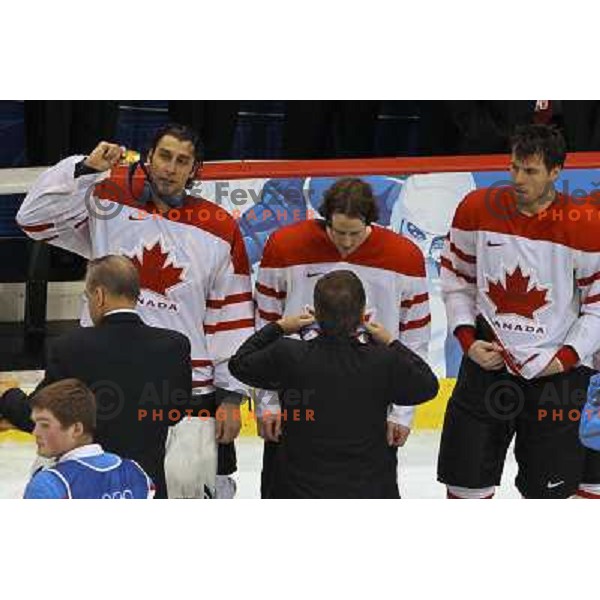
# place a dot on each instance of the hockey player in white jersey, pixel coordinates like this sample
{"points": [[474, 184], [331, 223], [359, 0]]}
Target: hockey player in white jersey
{"points": [[521, 284], [391, 268], [193, 266]]}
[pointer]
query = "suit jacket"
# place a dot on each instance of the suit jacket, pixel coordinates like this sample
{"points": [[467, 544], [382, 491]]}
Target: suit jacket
{"points": [[334, 394], [131, 367]]}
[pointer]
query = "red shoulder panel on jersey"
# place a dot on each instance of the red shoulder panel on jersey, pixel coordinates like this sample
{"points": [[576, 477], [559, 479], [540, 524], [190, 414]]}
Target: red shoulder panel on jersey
{"points": [[197, 212], [300, 243], [307, 243], [390, 251], [571, 222]]}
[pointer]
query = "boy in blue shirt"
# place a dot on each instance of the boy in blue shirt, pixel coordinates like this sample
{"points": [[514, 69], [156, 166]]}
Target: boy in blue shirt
{"points": [[64, 414]]}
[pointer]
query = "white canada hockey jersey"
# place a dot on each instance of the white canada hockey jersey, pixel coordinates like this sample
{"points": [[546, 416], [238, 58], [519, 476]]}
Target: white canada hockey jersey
{"points": [[193, 267], [535, 279], [391, 268]]}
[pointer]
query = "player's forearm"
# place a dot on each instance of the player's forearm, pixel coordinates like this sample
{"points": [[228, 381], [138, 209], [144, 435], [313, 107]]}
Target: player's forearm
{"points": [[460, 307], [416, 381], [584, 335], [56, 197]]}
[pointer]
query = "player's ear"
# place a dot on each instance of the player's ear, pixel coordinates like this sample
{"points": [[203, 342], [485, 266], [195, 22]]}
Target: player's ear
{"points": [[100, 293], [77, 429]]}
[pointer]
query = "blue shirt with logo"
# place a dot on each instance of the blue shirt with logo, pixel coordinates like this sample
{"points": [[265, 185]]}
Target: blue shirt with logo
{"points": [[89, 472]]}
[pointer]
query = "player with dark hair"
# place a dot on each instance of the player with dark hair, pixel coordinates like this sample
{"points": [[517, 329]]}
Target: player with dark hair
{"points": [[194, 272], [521, 284]]}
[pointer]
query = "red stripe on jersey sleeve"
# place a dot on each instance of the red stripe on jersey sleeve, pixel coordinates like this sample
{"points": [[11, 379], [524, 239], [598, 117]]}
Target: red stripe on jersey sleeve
{"points": [[229, 325], [469, 258], [82, 222], [417, 324], [446, 264], [592, 299], [37, 228], [414, 300], [584, 281], [231, 299], [267, 291], [204, 383], [269, 316], [201, 363]]}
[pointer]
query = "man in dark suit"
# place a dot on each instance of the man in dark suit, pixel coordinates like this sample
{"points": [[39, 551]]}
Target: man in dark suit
{"points": [[140, 375], [334, 390]]}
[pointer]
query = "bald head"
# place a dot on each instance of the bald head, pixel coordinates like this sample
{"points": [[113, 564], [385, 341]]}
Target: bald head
{"points": [[112, 282]]}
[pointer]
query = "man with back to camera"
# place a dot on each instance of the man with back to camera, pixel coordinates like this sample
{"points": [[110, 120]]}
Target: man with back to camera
{"points": [[64, 414], [334, 390], [391, 268], [193, 266], [521, 284], [133, 369]]}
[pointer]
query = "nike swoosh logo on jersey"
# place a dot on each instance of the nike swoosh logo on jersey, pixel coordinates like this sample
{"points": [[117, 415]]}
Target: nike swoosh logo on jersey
{"points": [[550, 485], [314, 274], [494, 244]]}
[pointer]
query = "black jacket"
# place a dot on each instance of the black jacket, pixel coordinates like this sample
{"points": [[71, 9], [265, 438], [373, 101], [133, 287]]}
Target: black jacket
{"points": [[130, 367], [335, 393]]}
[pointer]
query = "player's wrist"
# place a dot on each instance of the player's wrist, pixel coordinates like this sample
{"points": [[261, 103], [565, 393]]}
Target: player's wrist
{"points": [[83, 168], [567, 357], [465, 334]]}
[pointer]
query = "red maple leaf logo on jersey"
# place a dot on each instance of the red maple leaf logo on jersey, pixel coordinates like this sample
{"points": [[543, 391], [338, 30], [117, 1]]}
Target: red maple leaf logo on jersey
{"points": [[154, 272], [515, 297]]}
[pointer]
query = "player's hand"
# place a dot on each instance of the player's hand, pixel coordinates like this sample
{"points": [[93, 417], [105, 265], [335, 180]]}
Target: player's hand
{"points": [[379, 333], [104, 156], [488, 355], [229, 423], [397, 434], [292, 325], [269, 427], [554, 367]]}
